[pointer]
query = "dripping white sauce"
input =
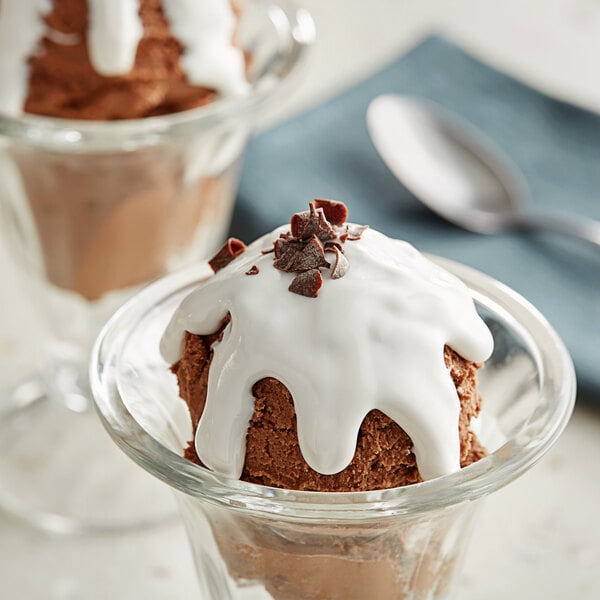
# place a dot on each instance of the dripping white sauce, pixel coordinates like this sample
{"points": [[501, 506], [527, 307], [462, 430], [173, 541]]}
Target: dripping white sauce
{"points": [[373, 339]]}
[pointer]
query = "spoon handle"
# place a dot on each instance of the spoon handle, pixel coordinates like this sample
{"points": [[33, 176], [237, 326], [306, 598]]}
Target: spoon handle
{"points": [[579, 227]]}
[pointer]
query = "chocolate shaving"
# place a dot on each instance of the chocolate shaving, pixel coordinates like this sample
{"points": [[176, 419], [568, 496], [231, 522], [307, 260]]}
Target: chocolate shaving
{"points": [[314, 222], [253, 270], [304, 225], [286, 252], [232, 248], [312, 256], [341, 264], [335, 212], [286, 244], [313, 233], [307, 284], [325, 231], [355, 232], [332, 245]]}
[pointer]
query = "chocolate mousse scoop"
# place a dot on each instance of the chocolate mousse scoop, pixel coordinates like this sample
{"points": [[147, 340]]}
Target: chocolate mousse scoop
{"points": [[328, 357], [104, 60]]}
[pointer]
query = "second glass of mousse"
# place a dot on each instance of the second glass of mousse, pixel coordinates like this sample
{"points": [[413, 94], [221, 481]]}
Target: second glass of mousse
{"points": [[122, 129]]}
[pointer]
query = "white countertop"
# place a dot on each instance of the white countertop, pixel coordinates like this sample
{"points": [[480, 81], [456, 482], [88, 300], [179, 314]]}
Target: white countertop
{"points": [[539, 538]]}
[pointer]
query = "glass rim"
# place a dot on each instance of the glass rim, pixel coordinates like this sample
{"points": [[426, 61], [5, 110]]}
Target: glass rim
{"points": [[499, 468], [292, 23]]}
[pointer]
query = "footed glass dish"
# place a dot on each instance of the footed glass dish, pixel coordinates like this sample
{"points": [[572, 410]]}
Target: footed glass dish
{"points": [[251, 541]]}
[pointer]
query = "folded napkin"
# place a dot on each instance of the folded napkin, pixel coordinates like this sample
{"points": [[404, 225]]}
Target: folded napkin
{"points": [[327, 153]]}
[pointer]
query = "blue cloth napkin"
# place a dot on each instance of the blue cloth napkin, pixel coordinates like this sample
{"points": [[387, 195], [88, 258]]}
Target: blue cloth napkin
{"points": [[327, 152]]}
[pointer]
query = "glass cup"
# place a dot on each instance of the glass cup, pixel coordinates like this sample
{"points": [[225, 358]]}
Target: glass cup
{"points": [[93, 210], [251, 541]]}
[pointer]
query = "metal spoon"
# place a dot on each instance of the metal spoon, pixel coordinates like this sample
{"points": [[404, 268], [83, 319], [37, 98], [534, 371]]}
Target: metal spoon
{"points": [[457, 172]]}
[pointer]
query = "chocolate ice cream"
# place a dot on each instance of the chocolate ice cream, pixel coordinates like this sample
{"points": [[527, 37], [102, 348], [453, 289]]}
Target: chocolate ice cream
{"points": [[383, 458]]}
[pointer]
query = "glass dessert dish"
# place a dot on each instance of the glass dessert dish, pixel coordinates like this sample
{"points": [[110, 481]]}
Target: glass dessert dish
{"points": [[252, 541], [91, 211]]}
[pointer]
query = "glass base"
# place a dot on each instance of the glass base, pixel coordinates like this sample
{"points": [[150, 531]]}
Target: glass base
{"points": [[60, 471]]}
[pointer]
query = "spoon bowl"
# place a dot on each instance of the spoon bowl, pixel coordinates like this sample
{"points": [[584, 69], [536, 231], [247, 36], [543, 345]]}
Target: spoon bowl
{"points": [[447, 164]]}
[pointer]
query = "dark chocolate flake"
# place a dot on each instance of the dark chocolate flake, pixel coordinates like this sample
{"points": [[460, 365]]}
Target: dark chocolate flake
{"points": [[332, 245], [312, 233], [324, 231], [355, 232], [253, 270], [286, 252], [312, 256], [232, 248], [284, 246], [335, 212], [304, 225], [341, 264], [307, 284]]}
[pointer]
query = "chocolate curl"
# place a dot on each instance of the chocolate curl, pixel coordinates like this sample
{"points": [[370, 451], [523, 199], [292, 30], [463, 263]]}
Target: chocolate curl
{"points": [[314, 222], [307, 284], [355, 233], [313, 233], [232, 248], [285, 253], [325, 231], [304, 225], [335, 212], [341, 264], [294, 257], [312, 256], [253, 270], [331, 245]]}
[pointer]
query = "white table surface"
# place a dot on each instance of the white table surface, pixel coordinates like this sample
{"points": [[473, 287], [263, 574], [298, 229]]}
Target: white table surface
{"points": [[539, 538]]}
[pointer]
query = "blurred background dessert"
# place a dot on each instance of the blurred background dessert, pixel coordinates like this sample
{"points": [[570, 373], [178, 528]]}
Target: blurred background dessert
{"points": [[117, 60], [122, 126], [110, 220]]}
